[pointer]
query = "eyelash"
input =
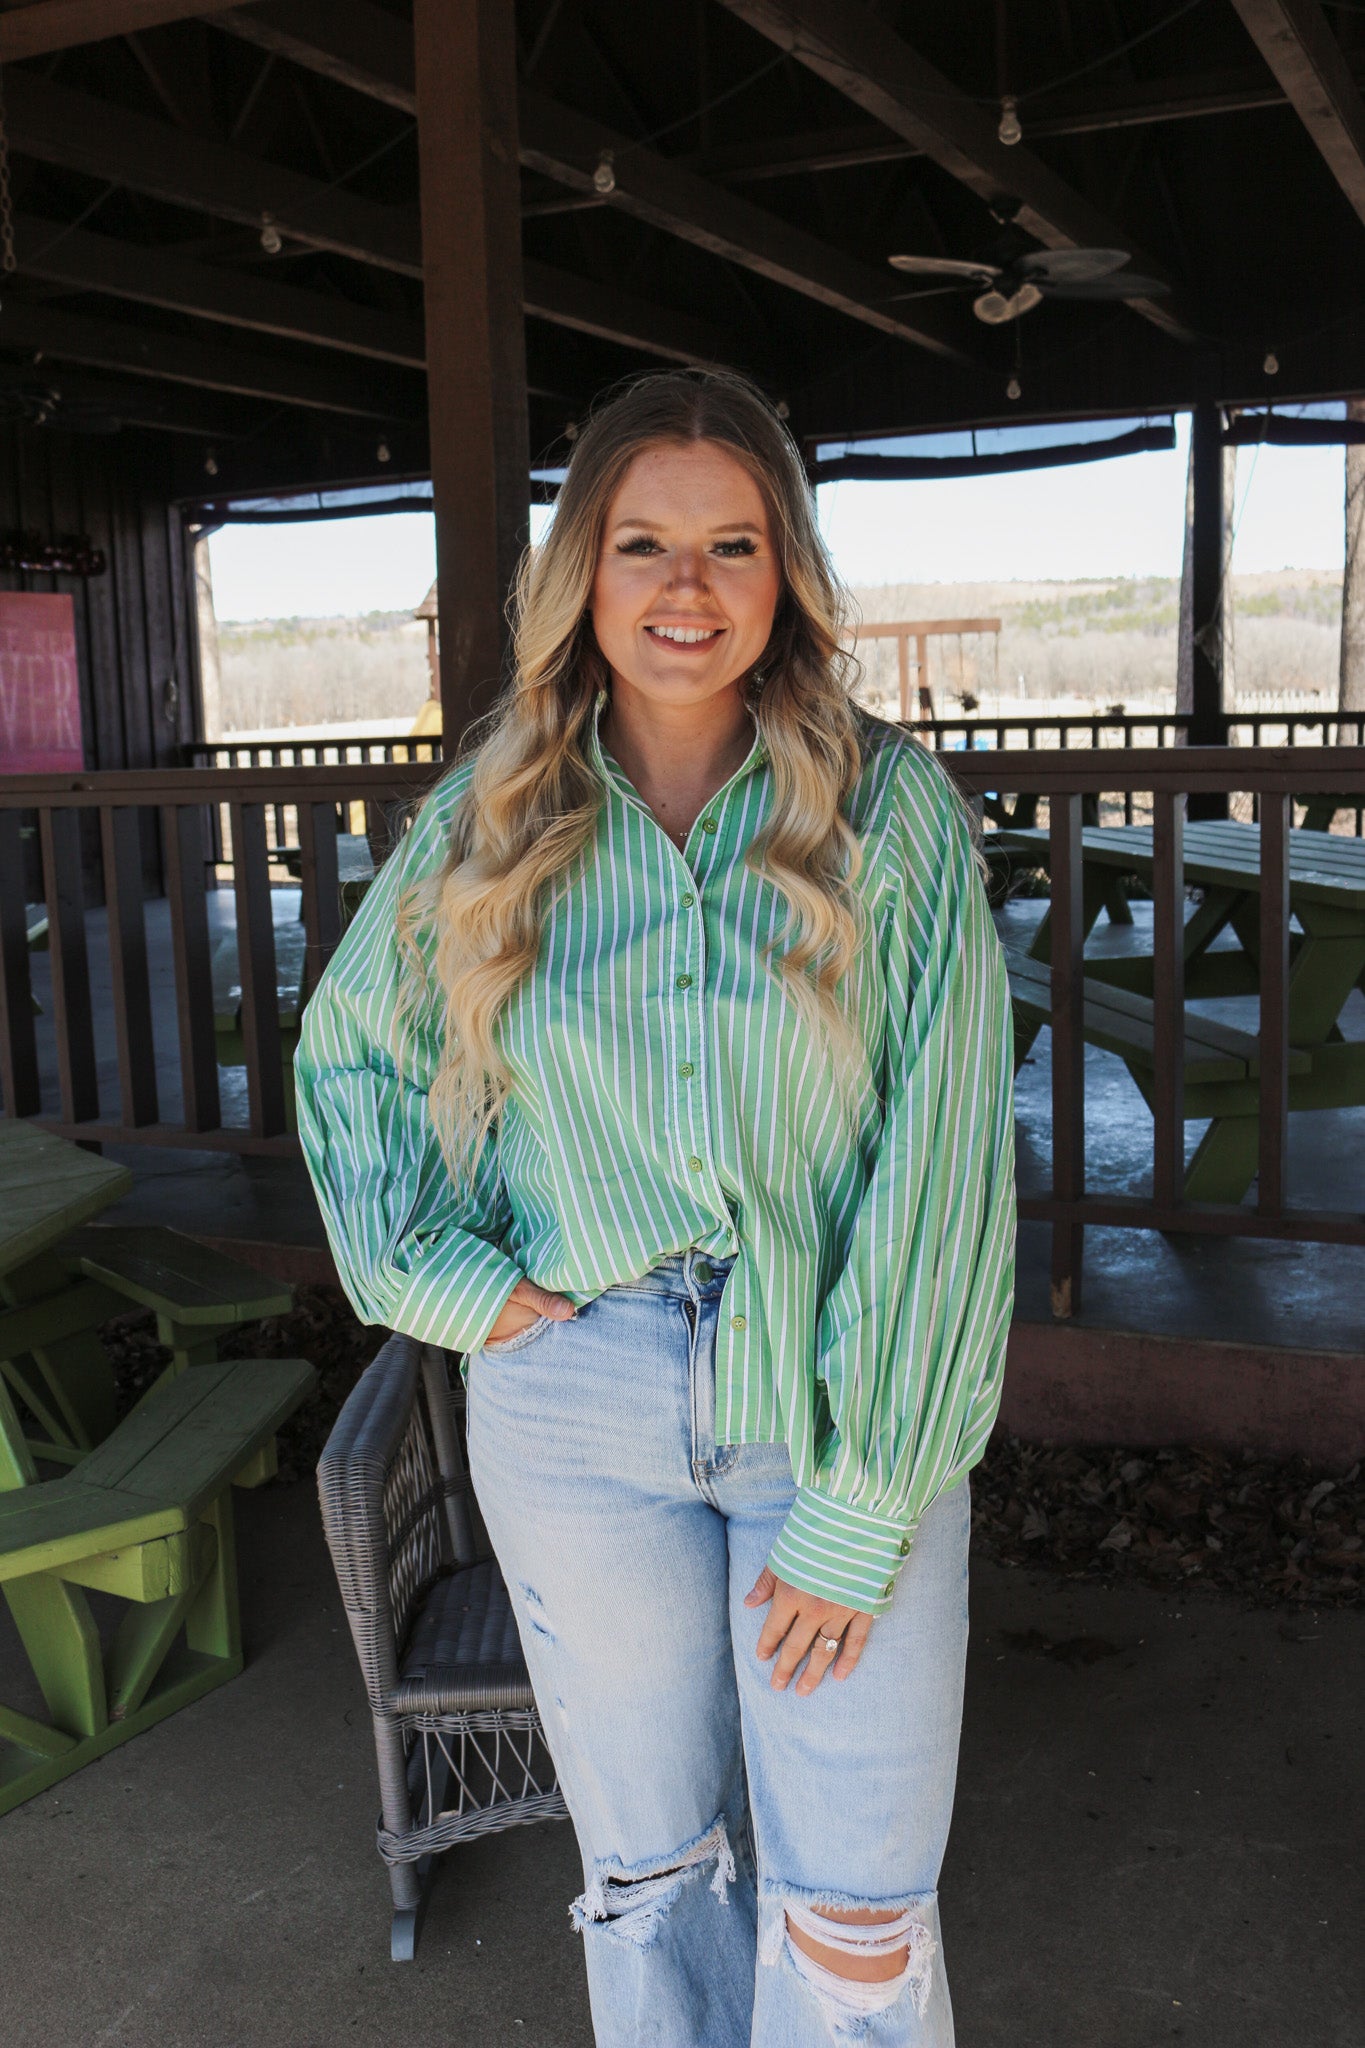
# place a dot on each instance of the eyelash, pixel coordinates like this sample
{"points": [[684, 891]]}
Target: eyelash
{"points": [[644, 545]]}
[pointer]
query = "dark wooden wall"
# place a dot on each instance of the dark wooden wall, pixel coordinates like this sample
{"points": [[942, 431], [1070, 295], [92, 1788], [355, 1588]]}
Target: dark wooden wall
{"points": [[136, 632]]}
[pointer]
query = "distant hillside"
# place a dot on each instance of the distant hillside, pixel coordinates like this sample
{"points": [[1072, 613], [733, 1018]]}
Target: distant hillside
{"points": [[308, 672], [1114, 641]]}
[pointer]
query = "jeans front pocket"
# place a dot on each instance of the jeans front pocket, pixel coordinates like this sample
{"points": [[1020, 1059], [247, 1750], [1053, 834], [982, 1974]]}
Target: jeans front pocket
{"points": [[520, 1339]]}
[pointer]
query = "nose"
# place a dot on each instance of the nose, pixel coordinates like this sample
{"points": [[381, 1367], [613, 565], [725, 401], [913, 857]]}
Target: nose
{"points": [[688, 571]]}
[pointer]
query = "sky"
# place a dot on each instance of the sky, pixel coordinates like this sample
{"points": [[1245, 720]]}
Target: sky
{"points": [[1118, 518]]}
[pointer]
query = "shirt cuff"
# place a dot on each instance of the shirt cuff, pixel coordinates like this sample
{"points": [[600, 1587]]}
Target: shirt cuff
{"points": [[455, 1292], [842, 1553]]}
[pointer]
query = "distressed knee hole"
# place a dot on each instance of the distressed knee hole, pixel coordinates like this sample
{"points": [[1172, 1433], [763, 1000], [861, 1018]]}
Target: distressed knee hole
{"points": [[856, 1960], [631, 1902]]}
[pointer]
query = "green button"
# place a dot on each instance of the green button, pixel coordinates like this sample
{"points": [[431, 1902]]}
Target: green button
{"points": [[688, 901], [737, 1322], [708, 825], [905, 1546], [686, 1070], [889, 1590], [702, 1273], [695, 1165], [684, 981]]}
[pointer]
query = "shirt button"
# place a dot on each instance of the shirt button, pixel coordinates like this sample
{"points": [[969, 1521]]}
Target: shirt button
{"points": [[905, 1546], [688, 901], [695, 1164], [889, 1590], [686, 1070], [702, 1273], [708, 824], [684, 981], [737, 1322]]}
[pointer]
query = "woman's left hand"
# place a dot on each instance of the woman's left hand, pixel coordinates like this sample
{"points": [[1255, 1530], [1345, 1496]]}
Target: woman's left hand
{"points": [[799, 1622]]}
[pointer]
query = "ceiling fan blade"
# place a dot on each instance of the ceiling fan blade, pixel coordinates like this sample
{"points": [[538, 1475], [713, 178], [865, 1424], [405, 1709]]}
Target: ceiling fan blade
{"points": [[945, 266], [930, 291], [1126, 286], [1069, 266]]}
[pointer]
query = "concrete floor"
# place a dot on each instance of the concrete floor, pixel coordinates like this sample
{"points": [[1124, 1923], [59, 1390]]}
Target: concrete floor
{"points": [[1157, 1835]]}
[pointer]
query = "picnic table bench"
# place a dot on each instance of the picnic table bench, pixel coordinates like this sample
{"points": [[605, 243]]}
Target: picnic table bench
{"points": [[1327, 961], [147, 1516]]}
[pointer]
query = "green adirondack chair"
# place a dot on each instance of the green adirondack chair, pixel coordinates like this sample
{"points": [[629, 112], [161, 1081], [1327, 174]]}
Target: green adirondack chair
{"points": [[147, 1516]]}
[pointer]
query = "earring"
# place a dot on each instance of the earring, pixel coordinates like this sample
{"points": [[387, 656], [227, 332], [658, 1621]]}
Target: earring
{"points": [[756, 680]]}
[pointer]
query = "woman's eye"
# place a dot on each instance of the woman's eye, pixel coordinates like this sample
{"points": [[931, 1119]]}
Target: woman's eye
{"points": [[736, 547], [642, 546]]}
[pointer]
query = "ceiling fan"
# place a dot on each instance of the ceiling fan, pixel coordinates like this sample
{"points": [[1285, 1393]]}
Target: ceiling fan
{"points": [[1005, 291]]}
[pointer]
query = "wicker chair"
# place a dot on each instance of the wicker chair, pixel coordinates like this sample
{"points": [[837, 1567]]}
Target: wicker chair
{"points": [[457, 1734]]}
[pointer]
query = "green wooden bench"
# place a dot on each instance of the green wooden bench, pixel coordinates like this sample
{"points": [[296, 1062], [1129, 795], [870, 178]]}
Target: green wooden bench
{"points": [[51, 1354], [147, 1517], [1222, 1064]]}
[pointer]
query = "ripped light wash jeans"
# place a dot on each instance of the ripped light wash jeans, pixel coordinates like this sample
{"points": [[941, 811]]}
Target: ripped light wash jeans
{"points": [[705, 1803]]}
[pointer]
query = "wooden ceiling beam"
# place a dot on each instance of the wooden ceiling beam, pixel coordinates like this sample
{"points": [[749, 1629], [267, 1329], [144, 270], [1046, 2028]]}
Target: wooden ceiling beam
{"points": [[46, 26], [372, 52], [81, 133], [567, 300], [87, 262], [1294, 38], [135, 401], [566, 146], [845, 43], [188, 359]]}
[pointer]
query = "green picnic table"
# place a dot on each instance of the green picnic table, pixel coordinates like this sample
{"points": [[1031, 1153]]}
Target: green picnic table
{"points": [[1327, 961], [141, 1507]]}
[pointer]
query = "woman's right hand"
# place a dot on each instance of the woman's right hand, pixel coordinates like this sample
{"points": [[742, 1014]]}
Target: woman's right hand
{"points": [[523, 1306]]}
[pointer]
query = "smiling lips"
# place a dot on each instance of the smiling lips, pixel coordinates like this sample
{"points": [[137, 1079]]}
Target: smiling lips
{"points": [[685, 636]]}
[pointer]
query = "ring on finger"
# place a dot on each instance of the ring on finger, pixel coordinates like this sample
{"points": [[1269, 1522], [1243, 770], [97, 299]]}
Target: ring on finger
{"points": [[831, 1643]]}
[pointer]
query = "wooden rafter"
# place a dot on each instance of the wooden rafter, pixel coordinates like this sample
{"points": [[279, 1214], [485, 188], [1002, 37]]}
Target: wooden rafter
{"points": [[44, 26], [1294, 38], [372, 52], [845, 43]]}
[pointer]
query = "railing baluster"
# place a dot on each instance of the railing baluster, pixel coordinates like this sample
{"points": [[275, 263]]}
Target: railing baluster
{"points": [[18, 1039], [183, 837], [1068, 1046], [121, 845], [321, 888], [1168, 998], [1274, 974], [256, 969], [73, 1014]]}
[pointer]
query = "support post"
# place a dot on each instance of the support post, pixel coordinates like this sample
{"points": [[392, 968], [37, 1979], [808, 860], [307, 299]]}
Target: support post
{"points": [[465, 53], [1207, 548]]}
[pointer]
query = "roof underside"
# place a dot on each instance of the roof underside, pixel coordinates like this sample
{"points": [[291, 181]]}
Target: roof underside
{"points": [[770, 155]]}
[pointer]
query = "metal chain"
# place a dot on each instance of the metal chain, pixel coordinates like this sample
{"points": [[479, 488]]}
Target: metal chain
{"points": [[9, 262]]}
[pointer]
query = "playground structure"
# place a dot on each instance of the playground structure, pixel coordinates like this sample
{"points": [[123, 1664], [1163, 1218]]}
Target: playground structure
{"points": [[922, 631]]}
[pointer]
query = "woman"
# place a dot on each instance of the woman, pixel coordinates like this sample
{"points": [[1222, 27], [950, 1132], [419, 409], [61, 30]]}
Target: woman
{"points": [[665, 1073]]}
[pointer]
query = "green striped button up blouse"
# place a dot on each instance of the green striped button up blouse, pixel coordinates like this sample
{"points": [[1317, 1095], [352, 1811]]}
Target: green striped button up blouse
{"points": [[666, 1094]]}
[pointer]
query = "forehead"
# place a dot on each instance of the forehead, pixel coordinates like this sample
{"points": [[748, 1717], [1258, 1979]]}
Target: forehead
{"points": [[682, 481]]}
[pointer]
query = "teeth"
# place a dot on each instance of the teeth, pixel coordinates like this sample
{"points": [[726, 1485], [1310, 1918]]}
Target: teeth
{"points": [[686, 636]]}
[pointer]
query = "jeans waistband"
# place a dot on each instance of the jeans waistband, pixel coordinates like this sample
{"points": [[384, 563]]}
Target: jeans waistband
{"points": [[691, 1272]]}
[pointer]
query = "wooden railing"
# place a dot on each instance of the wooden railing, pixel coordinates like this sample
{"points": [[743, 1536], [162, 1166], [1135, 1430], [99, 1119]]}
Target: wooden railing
{"points": [[118, 812]]}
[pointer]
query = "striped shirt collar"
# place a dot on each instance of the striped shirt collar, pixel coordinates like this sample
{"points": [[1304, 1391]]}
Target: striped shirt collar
{"points": [[611, 770]]}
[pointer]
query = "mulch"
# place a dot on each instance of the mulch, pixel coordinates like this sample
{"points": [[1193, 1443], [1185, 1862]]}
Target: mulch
{"points": [[1264, 1531]]}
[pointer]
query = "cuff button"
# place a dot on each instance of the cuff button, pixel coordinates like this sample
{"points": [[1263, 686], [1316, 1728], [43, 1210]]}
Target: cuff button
{"points": [[905, 1546]]}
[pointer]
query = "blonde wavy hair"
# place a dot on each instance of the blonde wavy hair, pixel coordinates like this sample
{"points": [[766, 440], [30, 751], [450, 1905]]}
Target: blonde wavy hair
{"points": [[531, 808]]}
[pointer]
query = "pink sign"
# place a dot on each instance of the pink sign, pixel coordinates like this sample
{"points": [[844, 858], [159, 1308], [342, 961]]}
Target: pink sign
{"points": [[40, 697]]}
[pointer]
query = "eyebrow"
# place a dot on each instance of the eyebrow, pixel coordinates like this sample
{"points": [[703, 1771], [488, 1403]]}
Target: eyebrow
{"points": [[727, 526]]}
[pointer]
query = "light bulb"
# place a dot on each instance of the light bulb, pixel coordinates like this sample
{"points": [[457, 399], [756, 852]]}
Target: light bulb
{"points": [[571, 431], [1014, 389], [271, 239], [210, 464], [604, 177], [784, 411], [381, 453], [1009, 132], [1271, 365]]}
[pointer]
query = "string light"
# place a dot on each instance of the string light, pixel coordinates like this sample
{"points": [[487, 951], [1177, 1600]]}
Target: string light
{"points": [[783, 410], [1014, 389], [210, 464], [1009, 132], [382, 454], [1271, 365], [272, 241], [604, 177], [571, 431]]}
